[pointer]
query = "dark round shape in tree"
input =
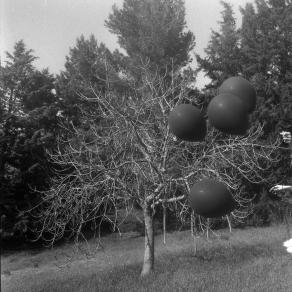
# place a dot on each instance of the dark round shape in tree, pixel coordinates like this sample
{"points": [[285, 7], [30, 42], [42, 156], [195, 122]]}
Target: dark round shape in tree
{"points": [[210, 198], [242, 88], [228, 114], [187, 123]]}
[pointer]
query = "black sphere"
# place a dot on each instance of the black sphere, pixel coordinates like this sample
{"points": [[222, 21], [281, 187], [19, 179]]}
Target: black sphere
{"points": [[242, 88], [210, 198], [228, 114], [187, 123]]}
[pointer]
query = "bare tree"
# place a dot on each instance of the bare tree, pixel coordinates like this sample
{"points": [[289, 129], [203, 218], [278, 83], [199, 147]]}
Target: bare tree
{"points": [[132, 158]]}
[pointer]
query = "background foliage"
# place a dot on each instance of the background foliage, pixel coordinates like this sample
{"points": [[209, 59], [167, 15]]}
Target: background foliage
{"points": [[34, 103]]}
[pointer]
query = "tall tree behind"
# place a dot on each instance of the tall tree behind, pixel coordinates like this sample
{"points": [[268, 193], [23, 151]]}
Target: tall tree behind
{"points": [[261, 52], [89, 66], [152, 32], [15, 75], [267, 60], [27, 127], [266, 38], [223, 51]]}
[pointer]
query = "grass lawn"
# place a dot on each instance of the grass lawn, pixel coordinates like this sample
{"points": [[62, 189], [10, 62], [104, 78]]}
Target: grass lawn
{"points": [[248, 260]]}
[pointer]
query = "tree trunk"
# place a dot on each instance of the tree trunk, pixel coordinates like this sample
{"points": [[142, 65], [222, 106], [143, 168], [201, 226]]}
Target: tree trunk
{"points": [[164, 224], [148, 264]]}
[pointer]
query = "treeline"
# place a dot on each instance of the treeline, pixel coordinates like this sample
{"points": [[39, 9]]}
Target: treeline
{"points": [[37, 108]]}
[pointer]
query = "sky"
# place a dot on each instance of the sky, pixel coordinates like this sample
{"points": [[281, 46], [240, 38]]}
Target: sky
{"points": [[50, 27]]}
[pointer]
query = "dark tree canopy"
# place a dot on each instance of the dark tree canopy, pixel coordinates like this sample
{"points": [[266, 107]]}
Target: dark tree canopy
{"points": [[89, 66], [153, 30], [260, 50], [266, 38], [88, 62], [14, 76], [223, 51], [127, 120], [28, 124]]}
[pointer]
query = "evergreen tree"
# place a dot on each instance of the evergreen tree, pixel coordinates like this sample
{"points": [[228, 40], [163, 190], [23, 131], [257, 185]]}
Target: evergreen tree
{"points": [[28, 126], [223, 51], [267, 60], [266, 39], [152, 32], [261, 52], [90, 69], [15, 75], [39, 90]]}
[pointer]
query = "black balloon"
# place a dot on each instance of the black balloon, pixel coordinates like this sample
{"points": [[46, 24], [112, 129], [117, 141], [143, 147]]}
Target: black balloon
{"points": [[228, 114], [210, 198], [187, 123], [242, 88]]}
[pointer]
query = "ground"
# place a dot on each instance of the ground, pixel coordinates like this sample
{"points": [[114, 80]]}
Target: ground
{"points": [[252, 259]]}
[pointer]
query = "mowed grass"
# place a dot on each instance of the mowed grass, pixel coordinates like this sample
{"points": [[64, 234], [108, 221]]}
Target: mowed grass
{"points": [[252, 259]]}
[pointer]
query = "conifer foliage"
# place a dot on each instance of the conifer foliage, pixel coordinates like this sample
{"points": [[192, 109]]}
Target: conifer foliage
{"points": [[260, 51], [28, 123]]}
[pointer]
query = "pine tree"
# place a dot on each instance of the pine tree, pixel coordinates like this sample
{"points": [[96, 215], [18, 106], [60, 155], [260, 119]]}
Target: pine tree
{"points": [[90, 67], [266, 40], [153, 33], [19, 67], [260, 51], [223, 51], [28, 126]]}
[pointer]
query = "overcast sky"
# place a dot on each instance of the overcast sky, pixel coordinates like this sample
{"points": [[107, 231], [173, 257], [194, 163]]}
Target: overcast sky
{"points": [[50, 27]]}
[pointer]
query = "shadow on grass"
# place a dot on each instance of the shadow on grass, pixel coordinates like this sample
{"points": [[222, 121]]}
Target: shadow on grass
{"points": [[231, 253]]}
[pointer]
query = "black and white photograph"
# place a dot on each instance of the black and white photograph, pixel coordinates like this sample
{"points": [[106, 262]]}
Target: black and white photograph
{"points": [[145, 145]]}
